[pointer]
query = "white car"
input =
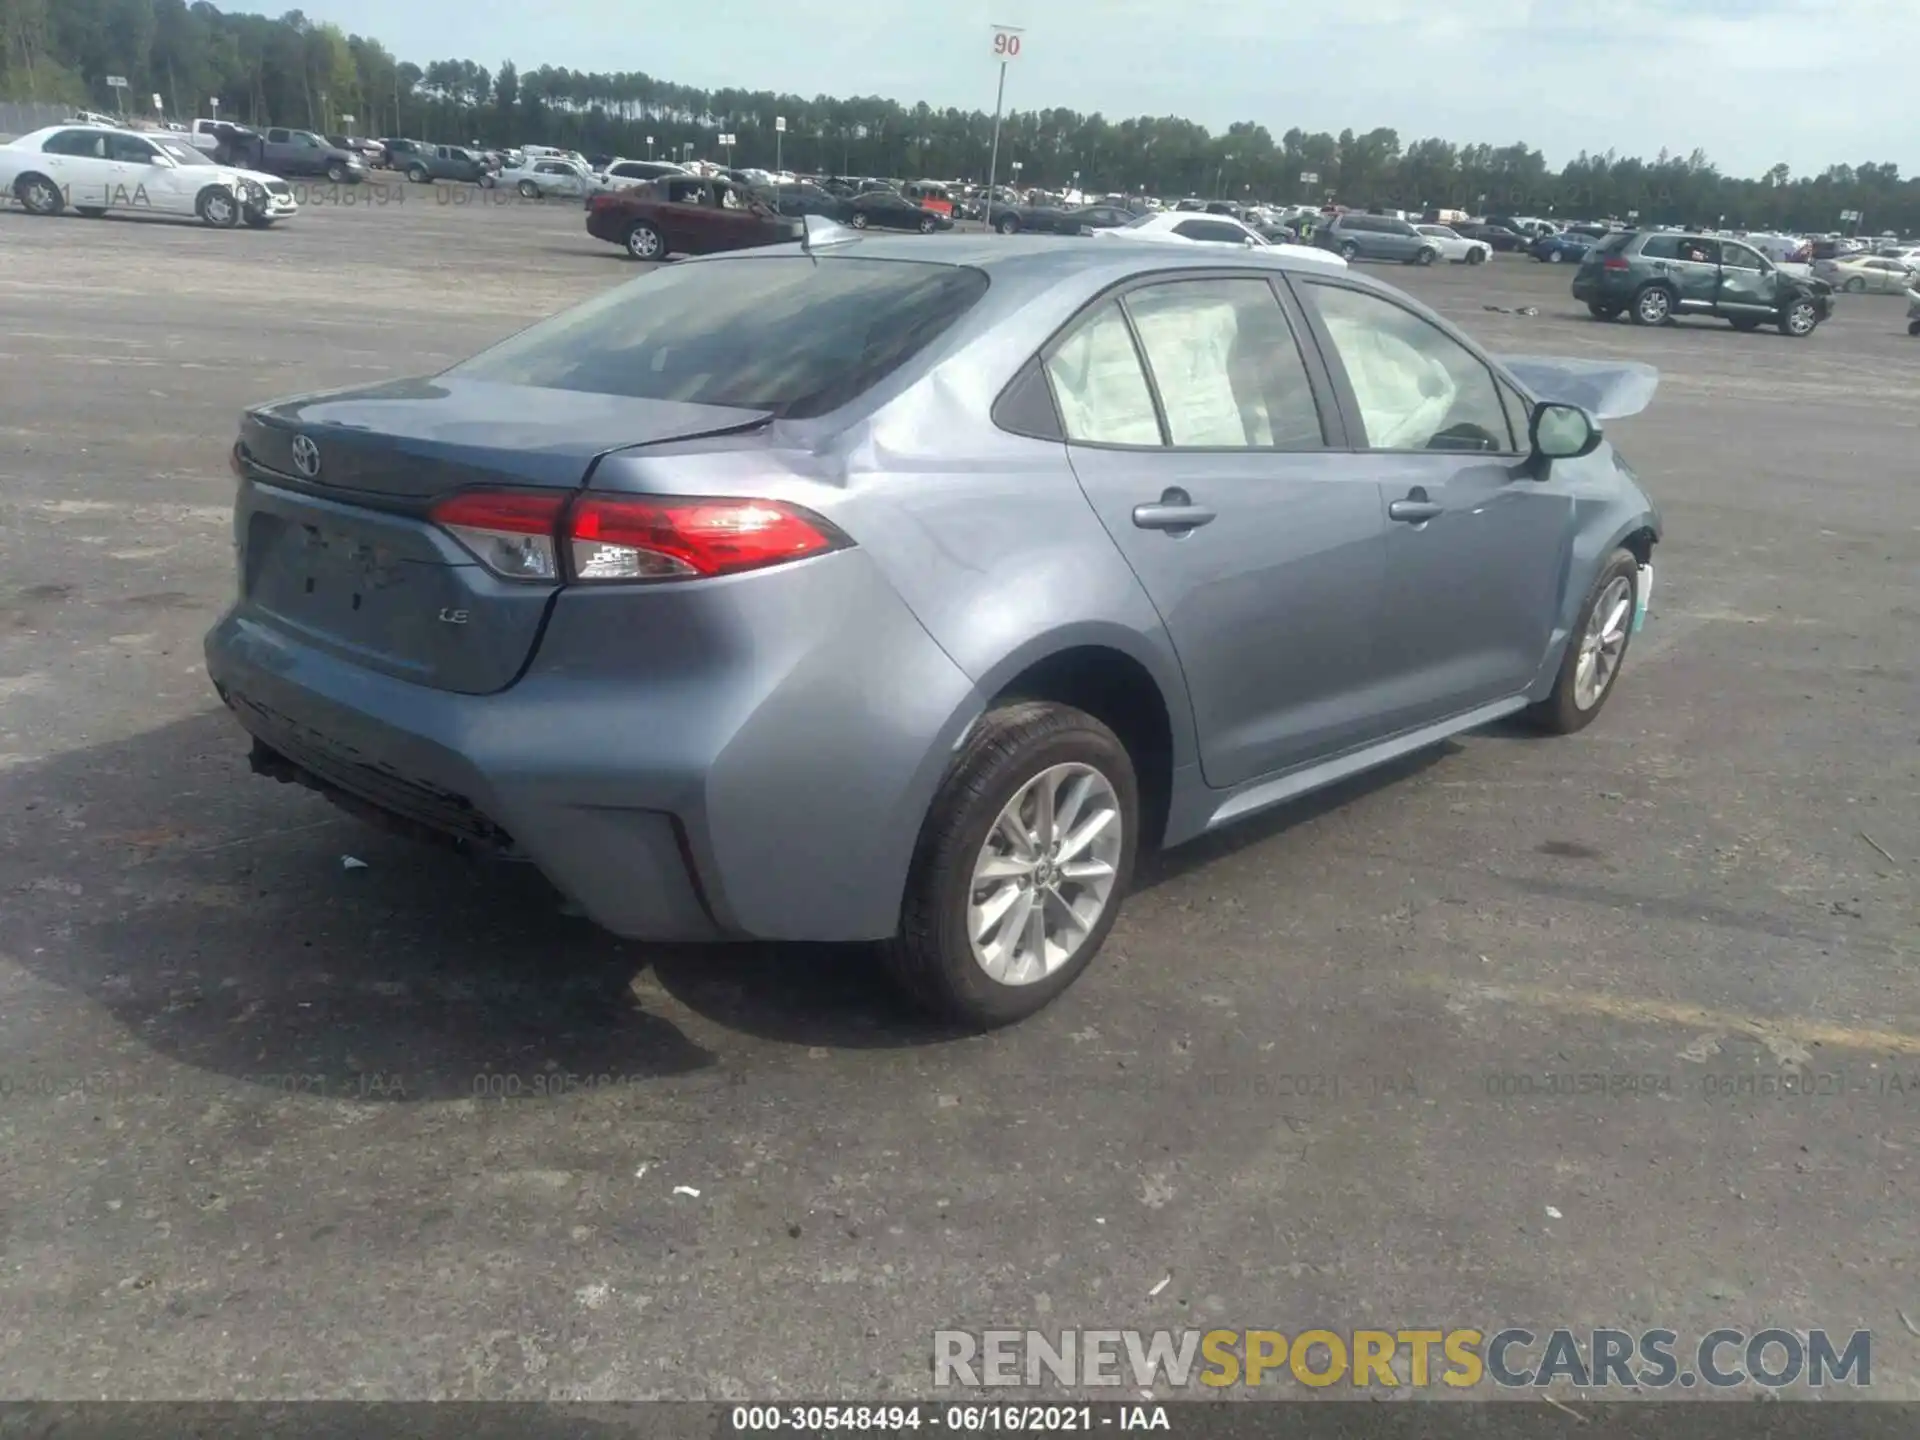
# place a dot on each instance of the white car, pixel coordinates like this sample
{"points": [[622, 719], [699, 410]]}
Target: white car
{"points": [[1455, 247], [1188, 227], [626, 174], [92, 169], [538, 176]]}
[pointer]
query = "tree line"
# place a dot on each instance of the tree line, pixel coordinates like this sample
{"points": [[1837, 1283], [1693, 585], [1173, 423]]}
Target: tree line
{"points": [[292, 71]]}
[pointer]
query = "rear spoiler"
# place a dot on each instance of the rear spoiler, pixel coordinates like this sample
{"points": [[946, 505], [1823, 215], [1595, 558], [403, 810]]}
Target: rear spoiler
{"points": [[1605, 389]]}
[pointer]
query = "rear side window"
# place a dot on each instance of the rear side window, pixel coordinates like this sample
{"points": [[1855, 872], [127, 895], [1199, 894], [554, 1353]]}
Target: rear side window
{"points": [[796, 336], [91, 143], [1210, 230], [1226, 364], [1099, 386], [1661, 247]]}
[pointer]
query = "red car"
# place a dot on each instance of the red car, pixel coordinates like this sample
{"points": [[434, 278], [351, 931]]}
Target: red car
{"points": [[687, 215]]}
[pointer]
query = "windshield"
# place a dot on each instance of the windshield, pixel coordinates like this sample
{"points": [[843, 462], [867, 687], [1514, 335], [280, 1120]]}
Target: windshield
{"points": [[793, 335], [183, 154], [306, 138], [1142, 220], [1443, 231]]}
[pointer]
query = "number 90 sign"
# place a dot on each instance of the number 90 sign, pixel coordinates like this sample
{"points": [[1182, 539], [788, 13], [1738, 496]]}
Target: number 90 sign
{"points": [[1006, 44]]}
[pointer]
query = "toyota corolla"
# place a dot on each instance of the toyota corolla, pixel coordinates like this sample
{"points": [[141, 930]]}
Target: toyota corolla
{"points": [[905, 590]]}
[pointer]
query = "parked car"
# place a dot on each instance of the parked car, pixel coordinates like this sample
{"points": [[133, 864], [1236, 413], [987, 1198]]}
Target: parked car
{"points": [[1354, 236], [799, 199], [94, 168], [368, 150], [890, 210], [1653, 277], [1456, 247], [1866, 275], [300, 154], [1567, 245], [542, 178], [1058, 219], [687, 215], [444, 162], [683, 626], [1498, 238], [396, 151], [625, 174], [1185, 227]]}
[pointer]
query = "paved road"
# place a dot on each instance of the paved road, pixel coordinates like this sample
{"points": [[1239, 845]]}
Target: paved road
{"points": [[241, 1149]]}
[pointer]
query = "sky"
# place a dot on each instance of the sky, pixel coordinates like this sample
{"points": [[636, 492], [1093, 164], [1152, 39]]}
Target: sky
{"points": [[1751, 82]]}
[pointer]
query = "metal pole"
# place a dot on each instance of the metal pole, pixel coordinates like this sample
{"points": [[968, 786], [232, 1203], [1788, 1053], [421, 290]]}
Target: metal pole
{"points": [[777, 138], [993, 159]]}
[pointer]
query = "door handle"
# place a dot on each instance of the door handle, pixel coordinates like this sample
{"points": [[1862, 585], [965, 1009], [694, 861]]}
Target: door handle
{"points": [[1415, 511], [1175, 510]]}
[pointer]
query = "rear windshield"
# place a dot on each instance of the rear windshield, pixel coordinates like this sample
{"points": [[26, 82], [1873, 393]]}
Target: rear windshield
{"points": [[793, 335], [1616, 242]]}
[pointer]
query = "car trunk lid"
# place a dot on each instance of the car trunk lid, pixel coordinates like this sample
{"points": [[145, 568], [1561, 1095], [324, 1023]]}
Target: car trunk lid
{"points": [[332, 525]]}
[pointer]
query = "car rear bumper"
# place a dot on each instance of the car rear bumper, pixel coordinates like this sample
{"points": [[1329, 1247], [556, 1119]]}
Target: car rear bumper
{"points": [[754, 763]]}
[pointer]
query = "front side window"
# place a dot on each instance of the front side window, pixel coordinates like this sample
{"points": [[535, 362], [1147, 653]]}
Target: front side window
{"points": [[276, 137], [129, 149], [1218, 230], [1739, 257], [1226, 364], [1099, 386], [1416, 387]]}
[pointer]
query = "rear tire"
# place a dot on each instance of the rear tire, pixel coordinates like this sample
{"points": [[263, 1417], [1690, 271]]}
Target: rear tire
{"points": [[1562, 713], [859, 220], [1603, 312], [934, 957], [1744, 324], [1006, 224], [1855, 286], [1349, 251], [1913, 327], [90, 212], [1799, 320], [645, 243], [1653, 306], [927, 226], [1426, 257], [38, 195], [1476, 257], [529, 190]]}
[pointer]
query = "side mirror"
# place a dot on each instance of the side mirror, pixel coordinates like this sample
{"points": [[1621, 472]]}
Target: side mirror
{"points": [[1251, 243], [159, 161], [1563, 432]]}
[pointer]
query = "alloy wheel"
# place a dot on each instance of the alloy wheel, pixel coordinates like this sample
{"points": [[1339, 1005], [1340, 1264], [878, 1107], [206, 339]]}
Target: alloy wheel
{"points": [[1603, 643], [1800, 319], [1045, 874], [1655, 307]]}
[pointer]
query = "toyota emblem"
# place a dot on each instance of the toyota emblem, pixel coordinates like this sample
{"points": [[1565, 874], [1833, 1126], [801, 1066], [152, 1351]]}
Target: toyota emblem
{"points": [[306, 456]]}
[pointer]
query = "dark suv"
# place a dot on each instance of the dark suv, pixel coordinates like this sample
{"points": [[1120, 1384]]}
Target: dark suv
{"points": [[1654, 276], [1376, 237]]}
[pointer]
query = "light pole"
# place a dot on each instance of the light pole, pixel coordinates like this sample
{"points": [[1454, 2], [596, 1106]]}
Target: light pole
{"points": [[649, 147], [779, 143], [1220, 170], [1018, 166], [727, 141]]}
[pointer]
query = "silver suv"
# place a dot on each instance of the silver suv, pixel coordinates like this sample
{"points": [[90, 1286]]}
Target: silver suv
{"points": [[1377, 237]]}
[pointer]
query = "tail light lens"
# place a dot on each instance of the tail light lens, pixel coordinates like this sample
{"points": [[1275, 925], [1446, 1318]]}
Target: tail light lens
{"points": [[620, 538], [524, 536], [1614, 262], [510, 533]]}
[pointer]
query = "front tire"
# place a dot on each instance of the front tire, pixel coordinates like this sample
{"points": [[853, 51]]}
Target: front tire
{"points": [[1799, 319], [1006, 224], [927, 226], [1021, 866], [529, 190], [859, 220], [1554, 257], [218, 207], [418, 175], [1744, 324], [1653, 306], [336, 173], [38, 195], [1426, 257], [1596, 649], [1476, 257], [1855, 286], [257, 221], [90, 212], [1913, 327], [1349, 251]]}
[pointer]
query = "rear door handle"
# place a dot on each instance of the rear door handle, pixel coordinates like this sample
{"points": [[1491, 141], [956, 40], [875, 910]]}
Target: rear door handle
{"points": [[1414, 511], [1175, 510]]}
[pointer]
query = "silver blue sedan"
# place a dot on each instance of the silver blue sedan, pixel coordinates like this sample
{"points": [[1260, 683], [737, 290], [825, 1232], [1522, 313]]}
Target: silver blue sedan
{"points": [[905, 591]]}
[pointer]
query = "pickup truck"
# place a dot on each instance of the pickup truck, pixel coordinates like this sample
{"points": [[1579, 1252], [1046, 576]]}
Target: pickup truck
{"points": [[278, 151], [444, 162]]}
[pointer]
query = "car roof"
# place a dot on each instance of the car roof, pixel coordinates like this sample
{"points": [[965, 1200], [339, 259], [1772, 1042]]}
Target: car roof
{"points": [[1046, 257]]}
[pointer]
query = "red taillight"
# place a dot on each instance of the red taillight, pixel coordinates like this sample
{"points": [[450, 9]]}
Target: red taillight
{"points": [[517, 534], [509, 532], [1615, 262], [622, 538]]}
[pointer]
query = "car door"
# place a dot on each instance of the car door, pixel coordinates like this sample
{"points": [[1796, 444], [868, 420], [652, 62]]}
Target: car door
{"points": [[1694, 273], [690, 217], [1208, 442], [136, 178], [1401, 240], [1476, 544], [76, 161], [1746, 283]]}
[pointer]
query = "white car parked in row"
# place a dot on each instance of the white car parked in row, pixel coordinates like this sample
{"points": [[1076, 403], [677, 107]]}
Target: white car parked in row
{"points": [[1455, 247], [538, 176], [92, 169], [1187, 227]]}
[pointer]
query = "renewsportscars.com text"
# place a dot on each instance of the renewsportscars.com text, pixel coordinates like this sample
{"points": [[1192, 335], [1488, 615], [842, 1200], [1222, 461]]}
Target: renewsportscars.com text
{"points": [[1459, 1358]]}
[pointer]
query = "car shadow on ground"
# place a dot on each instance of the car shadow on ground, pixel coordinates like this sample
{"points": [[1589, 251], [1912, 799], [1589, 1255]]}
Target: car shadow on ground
{"points": [[249, 930]]}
